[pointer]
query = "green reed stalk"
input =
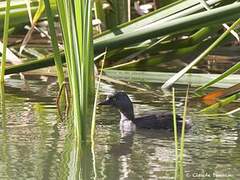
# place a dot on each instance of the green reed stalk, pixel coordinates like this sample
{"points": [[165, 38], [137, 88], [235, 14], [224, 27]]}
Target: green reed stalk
{"points": [[5, 41], [175, 131], [100, 14], [183, 126], [3, 108], [95, 100], [94, 118], [175, 123], [76, 22], [57, 55]]}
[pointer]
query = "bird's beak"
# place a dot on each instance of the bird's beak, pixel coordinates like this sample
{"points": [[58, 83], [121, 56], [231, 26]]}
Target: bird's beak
{"points": [[106, 102]]}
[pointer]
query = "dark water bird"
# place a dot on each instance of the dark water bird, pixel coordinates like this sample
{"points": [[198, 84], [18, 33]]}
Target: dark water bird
{"points": [[128, 122]]}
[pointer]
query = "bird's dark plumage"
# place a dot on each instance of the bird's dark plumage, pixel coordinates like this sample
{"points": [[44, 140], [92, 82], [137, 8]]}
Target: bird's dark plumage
{"points": [[161, 120], [157, 121]]}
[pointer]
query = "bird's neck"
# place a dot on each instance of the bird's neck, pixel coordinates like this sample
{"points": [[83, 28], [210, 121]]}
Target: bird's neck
{"points": [[127, 113], [127, 127], [124, 117]]}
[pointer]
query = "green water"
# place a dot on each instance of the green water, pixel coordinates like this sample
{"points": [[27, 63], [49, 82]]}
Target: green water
{"points": [[36, 144]]}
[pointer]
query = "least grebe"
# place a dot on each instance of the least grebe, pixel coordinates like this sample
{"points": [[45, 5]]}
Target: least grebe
{"points": [[161, 120]]}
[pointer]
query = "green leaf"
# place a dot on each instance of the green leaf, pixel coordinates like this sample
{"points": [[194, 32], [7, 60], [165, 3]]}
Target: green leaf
{"points": [[5, 41], [40, 10], [194, 79], [173, 79]]}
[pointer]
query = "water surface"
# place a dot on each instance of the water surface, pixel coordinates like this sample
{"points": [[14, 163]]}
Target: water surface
{"points": [[36, 144]]}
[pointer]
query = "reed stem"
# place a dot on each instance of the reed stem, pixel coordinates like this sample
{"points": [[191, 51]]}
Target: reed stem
{"points": [[5, 41]]}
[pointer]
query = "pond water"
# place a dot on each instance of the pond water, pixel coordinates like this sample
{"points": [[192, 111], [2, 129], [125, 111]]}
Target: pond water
{"points": [[36, 144]]}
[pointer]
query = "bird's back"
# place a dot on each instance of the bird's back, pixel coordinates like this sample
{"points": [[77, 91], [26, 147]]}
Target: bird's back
{"points": [[158, 121]]}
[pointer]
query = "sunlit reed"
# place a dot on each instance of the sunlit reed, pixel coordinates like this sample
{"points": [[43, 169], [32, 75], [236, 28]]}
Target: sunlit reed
{"points": [[5, 41], [76, 22]]}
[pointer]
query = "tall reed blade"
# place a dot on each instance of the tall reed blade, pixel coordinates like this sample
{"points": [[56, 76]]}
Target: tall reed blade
{"points": [[95, 100], [175, 123], [175, 132], [57, 56], [183, 126], [76, 22], [5, 41]]}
